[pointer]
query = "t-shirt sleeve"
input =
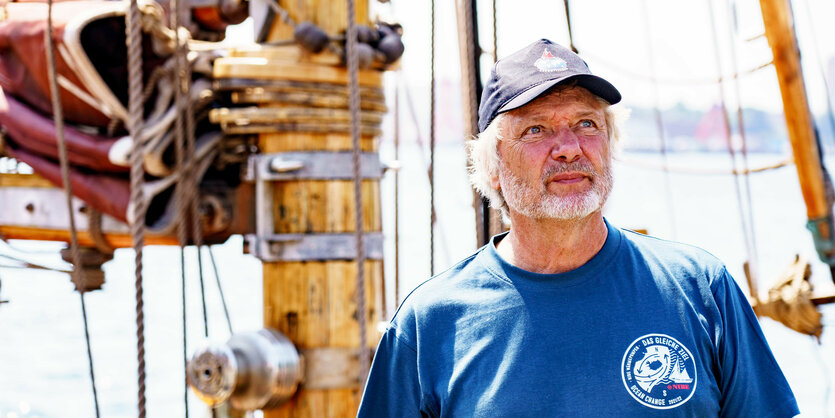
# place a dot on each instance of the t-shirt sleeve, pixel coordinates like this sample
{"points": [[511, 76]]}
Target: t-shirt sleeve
{"points": [[751, 382], [393, 386]]}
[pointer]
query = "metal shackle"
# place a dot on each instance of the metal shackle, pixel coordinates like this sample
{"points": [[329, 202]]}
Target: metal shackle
{"points": [[253, 370]]}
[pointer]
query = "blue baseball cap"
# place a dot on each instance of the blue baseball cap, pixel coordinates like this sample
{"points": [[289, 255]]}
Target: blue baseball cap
{"points": [[523, 76]]}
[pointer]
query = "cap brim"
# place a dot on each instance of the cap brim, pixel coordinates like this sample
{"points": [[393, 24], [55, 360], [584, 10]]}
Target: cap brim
{"points": [[596, 85]]}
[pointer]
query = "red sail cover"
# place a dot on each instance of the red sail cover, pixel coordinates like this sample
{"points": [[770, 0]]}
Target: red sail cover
{"points": [[37, 134], [23, 69]]}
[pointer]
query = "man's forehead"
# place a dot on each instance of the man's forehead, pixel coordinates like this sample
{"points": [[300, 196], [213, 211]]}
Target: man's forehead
{"points": [[569, 99]]}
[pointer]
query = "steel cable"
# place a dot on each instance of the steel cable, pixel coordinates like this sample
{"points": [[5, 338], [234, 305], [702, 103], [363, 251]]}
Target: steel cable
{"points": [[77, 273]]}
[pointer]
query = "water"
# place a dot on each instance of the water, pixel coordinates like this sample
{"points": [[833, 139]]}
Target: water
{"points": [[43, 365]]}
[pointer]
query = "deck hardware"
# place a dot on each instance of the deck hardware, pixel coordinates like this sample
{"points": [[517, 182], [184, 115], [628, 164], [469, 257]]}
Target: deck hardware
{"points": [[269, 246], [252, 370]]}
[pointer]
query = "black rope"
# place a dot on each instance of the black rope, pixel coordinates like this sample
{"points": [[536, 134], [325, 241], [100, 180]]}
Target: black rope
{"points": [[78, 272], [220, 289]]}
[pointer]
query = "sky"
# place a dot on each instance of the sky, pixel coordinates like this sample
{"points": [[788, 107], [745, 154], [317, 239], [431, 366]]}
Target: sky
{"points": [[630, 43]]}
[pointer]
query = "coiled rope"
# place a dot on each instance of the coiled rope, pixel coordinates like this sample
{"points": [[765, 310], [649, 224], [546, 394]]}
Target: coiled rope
{"points": [[354, 107], [137, 197], [78, 272]]}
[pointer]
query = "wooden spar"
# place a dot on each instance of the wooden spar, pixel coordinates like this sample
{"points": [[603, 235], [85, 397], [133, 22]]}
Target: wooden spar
{"points": [[313, 302], [779, 29]]}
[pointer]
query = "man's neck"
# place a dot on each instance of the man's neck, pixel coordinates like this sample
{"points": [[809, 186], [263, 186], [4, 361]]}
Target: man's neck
{"points": [[552, 246]]}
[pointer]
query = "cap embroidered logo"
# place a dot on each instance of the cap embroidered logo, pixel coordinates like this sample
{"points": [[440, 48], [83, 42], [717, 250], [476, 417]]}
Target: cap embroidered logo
{"points": [[549, 63]]}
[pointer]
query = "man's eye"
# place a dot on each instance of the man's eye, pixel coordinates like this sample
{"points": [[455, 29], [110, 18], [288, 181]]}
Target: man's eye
{"points": [[534, 130], [586, 123]]}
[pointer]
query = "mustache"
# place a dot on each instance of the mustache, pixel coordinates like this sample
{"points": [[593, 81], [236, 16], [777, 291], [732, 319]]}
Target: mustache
{"points": [[581, 166]]}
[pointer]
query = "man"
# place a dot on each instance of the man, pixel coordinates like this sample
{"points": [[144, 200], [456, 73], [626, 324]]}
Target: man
{"points": [[566, 315]]}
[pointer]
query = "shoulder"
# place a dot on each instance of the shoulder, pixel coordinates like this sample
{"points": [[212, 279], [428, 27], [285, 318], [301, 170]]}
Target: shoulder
{"points": [[451, 294], [675, 258]]}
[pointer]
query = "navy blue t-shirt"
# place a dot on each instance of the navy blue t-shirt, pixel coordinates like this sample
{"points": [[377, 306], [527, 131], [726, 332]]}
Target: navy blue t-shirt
{"points": [[645, 328]]}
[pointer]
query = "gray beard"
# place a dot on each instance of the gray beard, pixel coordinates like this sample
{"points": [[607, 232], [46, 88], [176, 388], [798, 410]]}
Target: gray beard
{"points": [[534, 201]]}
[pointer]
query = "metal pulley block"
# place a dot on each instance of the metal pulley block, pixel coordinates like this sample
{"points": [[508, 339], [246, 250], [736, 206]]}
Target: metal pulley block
{"points": [[90, 269], [254, 370]]}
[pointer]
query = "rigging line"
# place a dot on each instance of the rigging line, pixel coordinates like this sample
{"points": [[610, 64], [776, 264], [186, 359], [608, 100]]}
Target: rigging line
{"points": [[354, 107], [568, 25], [28, 264], [396, 194], [727, 132], [422, 154], [827, 377], [659, 123], [495, 33], [469, 65], [816, 48], [220, 289], [137, 197], [192, 193], [703, 171], [78, 273], [754, 256], [179, 188], [432, 139], [673, 81]]}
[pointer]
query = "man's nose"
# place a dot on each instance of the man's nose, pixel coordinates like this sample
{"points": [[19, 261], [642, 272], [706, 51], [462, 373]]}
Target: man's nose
{"points": [[566, 146]]}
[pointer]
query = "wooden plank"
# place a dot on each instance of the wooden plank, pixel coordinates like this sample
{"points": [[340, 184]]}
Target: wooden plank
{"points": [[23, 180], [265, 69], [84, 237]]}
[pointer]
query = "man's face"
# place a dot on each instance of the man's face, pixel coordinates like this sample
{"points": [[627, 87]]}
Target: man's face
{"points": [[554, 159]]}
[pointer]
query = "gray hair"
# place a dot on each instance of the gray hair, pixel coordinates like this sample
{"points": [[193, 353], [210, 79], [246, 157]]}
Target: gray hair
{"points": [[483, 152]]}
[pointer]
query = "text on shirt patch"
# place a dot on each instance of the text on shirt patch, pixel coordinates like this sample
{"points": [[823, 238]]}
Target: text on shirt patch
{"points": [[658, 371]]}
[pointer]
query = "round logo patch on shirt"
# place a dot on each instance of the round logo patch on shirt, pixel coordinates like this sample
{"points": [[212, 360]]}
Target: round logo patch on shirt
{"points": [[658, 371]]}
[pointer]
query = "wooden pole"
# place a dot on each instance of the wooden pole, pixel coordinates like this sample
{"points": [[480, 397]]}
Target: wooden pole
{"points": [[779, 29], [313, 302]]}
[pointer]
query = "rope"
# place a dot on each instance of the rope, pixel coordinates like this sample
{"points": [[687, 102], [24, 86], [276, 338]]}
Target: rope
{"points": [[471, 118], [432, 140], [495, 33], [727, 125], [671, 80], [568, 25], [137, 197], [753, 255], [220, 289], [702, 171], [829, 111], [78, 272], [181, 185], [354, 106], [659, 122], [396, 195]]}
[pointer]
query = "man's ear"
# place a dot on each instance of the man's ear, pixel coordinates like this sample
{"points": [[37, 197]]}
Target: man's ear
{"points": [[494, 182]]}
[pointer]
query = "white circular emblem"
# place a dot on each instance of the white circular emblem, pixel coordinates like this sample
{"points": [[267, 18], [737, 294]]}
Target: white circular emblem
{"points": [[658, 371]]}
